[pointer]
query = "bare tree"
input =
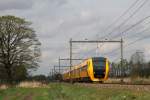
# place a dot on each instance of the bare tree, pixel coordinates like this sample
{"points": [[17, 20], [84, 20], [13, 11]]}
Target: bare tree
{"points": [[19, 47]]}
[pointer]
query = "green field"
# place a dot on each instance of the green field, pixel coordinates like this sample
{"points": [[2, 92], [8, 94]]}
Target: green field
{"points": [[56, 91]]}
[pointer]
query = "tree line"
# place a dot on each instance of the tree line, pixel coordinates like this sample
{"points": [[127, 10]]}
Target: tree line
{"points": [[135, 67]]}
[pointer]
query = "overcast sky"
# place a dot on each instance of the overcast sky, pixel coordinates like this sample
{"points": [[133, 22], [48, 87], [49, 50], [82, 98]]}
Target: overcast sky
{"points": [[56, 21]]}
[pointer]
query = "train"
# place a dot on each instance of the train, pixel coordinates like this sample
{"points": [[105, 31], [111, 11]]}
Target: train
{"points": [[94, 69]]}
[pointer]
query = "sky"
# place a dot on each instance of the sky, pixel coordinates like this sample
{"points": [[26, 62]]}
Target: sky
{"points": [[56, 21]]}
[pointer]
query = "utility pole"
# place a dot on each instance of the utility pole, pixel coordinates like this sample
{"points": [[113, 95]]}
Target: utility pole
{"points": [[121, 52], [122, 58], [52, 74], [70, 59], [55, 70], [59, 64]]}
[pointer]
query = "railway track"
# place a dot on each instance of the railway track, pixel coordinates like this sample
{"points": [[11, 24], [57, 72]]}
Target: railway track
{"points": [[138, 87]]}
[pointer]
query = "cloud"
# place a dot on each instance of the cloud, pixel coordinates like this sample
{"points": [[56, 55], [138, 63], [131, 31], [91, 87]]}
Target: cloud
{"points": [[15, 4]]}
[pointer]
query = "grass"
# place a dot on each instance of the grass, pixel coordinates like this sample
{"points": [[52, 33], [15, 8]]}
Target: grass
{"points": [[56, 91]]}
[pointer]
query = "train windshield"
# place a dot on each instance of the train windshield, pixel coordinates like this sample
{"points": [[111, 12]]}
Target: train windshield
{"points": [[99, 63]]}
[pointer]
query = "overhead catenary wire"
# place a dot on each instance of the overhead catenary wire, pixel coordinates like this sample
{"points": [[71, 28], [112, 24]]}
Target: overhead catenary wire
{"points": [[139, 22], [138, 33], [123, 14], [128, 36], [132, 26], [145, 37], [126, 20], [116, 49], [137, 40]]}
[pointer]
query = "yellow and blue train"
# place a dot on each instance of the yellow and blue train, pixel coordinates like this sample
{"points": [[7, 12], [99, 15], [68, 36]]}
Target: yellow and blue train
{"points": [[95, 69]]}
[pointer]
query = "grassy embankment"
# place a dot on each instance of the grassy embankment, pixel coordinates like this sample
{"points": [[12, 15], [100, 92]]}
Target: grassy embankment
{"points": [[56, 91]]}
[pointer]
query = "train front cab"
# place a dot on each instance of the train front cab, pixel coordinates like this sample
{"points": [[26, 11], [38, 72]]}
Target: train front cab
{"points": [[98, 69]]}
